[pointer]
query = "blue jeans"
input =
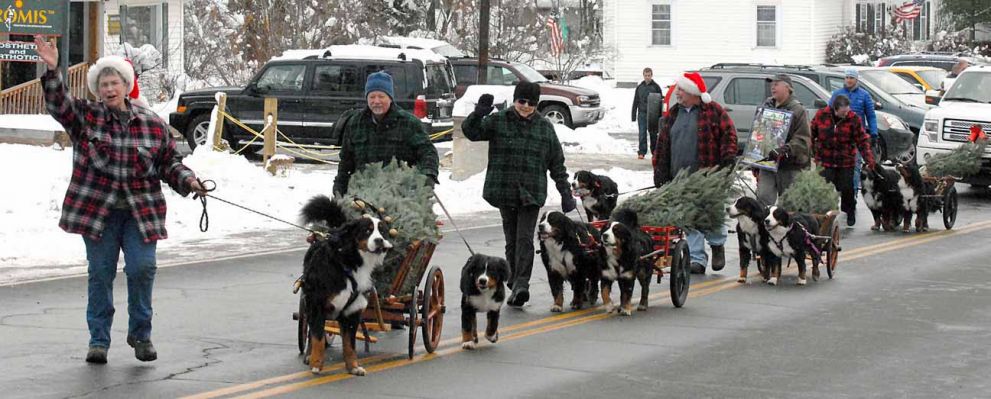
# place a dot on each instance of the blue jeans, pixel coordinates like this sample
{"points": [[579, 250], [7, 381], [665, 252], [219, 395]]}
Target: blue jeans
{"points": [[644, 135], [696, 243], [121, 233]]}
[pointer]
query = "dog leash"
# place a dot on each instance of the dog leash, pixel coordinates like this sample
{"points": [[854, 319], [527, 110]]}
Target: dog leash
{"points": [[453, 223], [210, 185]]}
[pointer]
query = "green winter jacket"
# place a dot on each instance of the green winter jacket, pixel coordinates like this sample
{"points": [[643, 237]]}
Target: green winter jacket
{"points": [[399, 135], [521, 152]]}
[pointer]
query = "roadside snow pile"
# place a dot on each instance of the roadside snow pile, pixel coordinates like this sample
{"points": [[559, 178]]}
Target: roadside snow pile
{"points": [[592, 140], [31, 122], [616, 102]]}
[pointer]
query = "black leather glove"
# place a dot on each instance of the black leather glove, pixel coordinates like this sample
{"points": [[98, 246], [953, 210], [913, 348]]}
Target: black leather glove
{"points": [[484, 105], [567, 202], [430, 182]]}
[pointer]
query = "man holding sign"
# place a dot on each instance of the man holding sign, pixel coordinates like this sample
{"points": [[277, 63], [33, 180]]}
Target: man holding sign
{"points": [[793, 155]]}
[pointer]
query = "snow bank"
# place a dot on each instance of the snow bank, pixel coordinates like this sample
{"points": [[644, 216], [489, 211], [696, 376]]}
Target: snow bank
{"points": [[32, 122]]}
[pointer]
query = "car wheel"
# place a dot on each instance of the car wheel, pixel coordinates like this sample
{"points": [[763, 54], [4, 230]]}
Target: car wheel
{"points": [[558, 115], [197, 130]]}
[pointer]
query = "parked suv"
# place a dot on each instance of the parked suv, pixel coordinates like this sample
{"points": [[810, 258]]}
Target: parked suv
{"points": [[315, 87], [562, 104], [741, 92], [966, 104]]}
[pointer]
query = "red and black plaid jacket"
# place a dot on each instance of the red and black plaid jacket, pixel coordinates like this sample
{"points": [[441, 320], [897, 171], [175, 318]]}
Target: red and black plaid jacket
{"points": [[835, 141], [716, 143], [110, 159]]}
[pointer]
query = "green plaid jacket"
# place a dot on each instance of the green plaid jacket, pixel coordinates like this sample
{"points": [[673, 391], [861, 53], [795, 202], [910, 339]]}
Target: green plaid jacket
{"points": [[400, 135], [521, 152]]}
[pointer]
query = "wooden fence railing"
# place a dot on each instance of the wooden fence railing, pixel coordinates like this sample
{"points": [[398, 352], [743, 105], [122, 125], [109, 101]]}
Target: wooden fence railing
{"points": [[28, 98]]}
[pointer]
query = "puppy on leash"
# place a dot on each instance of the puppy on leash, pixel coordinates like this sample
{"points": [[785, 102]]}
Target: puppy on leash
{"points": [[598, 194], [483, 289]]}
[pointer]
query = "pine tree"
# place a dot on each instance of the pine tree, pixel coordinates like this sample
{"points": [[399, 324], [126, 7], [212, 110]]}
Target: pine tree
{"points": [[962, 161], [810, 193], [689, 201]]}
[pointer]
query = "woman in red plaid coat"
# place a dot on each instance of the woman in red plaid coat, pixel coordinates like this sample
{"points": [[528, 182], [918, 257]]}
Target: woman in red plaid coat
{"points": [[121, 154], [837, 135]]}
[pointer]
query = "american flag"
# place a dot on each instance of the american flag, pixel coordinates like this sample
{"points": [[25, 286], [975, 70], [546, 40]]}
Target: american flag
{"points": [[907, 11], [557, 41]]}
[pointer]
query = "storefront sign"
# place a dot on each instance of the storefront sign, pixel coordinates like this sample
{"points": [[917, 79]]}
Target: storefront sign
{"points": [[34, 17], [18, 51]]}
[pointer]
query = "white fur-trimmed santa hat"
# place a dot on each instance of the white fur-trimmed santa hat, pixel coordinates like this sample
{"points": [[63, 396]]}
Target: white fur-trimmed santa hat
{"points": [[692, 83], [111, 61]]}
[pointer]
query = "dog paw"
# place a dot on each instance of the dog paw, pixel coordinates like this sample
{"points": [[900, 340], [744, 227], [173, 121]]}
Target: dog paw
{"points": [[315, 370], [741, 280], [801, 281], [556, 309], [626, 312], [641, 308], [468, 345], [576, 306], [358, 371], [492, 338], [772, 281]]}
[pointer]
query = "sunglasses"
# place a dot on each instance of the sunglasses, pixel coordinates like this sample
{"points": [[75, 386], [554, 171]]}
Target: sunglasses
{"points": [[524, 101]]}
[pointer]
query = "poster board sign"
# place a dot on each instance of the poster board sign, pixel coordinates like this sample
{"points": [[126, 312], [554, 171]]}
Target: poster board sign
{"points": [[770, 131], [18, 51], [34, 17]]}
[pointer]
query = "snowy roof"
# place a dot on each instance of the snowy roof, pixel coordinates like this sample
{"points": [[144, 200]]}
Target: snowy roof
{"points": [[363, 52]]}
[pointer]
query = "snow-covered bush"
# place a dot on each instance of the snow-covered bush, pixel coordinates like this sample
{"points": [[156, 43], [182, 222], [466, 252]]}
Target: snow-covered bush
{"points": [[843, 47]]}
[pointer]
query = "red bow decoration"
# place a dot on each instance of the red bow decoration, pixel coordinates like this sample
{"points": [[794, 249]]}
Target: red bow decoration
{"points": [[976, 133]]}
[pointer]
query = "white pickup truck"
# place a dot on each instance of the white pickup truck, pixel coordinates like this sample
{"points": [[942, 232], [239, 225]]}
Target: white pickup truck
{"points": [[967, 103]]}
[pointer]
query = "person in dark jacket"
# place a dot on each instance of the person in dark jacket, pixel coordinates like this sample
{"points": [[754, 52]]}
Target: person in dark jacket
{"points": [[697, 133], [794, 155], [382, 132], [837, 135], [121, 155], [523, 148], [639, 112], [862, 104]]}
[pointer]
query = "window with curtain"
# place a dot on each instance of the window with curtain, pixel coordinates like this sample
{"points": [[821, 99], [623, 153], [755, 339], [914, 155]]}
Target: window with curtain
{"points": [[660, 24], [766, 26]]}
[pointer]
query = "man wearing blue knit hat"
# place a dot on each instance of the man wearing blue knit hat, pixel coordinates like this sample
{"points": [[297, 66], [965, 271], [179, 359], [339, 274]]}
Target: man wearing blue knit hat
{"points": [[382, 132]]}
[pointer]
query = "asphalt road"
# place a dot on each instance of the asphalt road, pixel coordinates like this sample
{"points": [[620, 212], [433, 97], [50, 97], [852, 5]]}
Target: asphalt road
{"points": [[908, 315]]}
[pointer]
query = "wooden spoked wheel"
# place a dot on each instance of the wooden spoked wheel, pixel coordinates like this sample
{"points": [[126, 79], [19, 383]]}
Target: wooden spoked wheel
{"points": [[432, 319]]}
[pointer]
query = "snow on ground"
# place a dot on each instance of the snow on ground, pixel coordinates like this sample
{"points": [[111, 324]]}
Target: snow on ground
{"points": [[32, 122]]}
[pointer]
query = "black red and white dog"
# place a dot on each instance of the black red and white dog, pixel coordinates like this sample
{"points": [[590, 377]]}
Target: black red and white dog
{"points": [[880, 188], [622, 245], [790, 236], [752, 234], [913, 192], [598, 194], [483, 289], [569, 251], [337, 272]]}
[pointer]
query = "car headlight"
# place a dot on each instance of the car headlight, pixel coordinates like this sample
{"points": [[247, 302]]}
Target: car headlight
{"points": [[894, 122], [931, 129], [583, 100]]}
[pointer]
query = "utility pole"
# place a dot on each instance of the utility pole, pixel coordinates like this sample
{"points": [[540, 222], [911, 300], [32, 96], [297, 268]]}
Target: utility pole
{"points": [[483, 41]]}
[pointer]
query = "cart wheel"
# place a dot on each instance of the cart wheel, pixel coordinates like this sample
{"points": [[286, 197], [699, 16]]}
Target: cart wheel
{"points": [[950, 208], [833, 250], [411, 308], [432, 318], [302, 328], [680, 278]]}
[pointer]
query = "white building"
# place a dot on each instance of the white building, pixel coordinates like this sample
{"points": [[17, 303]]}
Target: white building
{"points": [[672, 36]]}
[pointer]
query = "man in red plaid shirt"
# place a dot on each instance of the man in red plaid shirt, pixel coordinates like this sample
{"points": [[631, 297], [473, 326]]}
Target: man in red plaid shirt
{"points": [[121, 154], [837, 135]]}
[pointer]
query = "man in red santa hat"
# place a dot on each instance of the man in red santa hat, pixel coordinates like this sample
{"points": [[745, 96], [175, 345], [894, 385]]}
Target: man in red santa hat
{"points": [[697, 133]]}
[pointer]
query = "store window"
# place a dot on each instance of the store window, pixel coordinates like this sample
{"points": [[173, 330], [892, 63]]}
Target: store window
{"points": [[146, 24]]}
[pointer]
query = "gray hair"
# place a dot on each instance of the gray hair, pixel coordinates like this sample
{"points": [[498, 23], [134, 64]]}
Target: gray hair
{"points": [[110, 71]]}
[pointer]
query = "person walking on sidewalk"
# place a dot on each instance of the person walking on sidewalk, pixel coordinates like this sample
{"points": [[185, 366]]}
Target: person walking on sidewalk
{"points": [[698, 133], [794, 155], [862, 104], [837, 135], [523, 148], [121, 154], [639, 112]]}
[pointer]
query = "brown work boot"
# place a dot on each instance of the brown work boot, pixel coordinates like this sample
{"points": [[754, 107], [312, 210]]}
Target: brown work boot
{"points": [[143, 350], [96, 355], [718, 257]]}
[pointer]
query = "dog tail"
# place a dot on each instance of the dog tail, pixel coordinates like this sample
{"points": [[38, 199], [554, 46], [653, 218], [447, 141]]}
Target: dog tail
{"points": [[627, 217], [323, 209]]}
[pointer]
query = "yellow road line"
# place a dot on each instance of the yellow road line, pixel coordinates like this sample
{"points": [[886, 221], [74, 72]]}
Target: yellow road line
{"points": [[570, 319]]}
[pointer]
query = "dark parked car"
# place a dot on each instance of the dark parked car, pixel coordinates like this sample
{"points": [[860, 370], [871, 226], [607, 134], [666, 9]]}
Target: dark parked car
{"points": [[741, 91], [315, 87], [562, 104]]}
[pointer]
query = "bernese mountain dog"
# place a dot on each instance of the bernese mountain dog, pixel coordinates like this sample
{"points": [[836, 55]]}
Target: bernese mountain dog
{"points": [[598, 194], [752, 234], [337, 273], [913, 191], [570, 251], [790, 236], [483, 289], [882, 195], [623, 244]]}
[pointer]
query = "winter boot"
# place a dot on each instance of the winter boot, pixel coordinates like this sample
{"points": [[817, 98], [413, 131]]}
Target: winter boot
{"points": [[718, 257], [143, 350], [96, 355]]}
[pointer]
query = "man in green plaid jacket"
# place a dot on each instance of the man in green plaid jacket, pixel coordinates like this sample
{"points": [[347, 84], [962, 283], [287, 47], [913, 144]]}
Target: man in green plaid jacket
{"points": [[381, 132], [523, 148]]}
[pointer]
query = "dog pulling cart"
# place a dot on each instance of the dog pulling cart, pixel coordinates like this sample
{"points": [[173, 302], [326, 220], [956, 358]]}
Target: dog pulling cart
{"points": [[395, 302], [670, 254]]}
